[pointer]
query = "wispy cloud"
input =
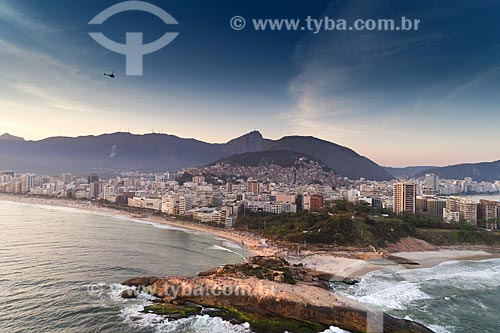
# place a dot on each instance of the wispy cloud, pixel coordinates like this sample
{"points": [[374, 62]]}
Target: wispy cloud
{"points": [[12, 15], [36, 69], [54, 100], [40, 60], [352, 87], [471, 83]]}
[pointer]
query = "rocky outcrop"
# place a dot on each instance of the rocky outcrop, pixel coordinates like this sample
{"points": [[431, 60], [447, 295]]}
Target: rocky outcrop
{"points": [[128, 293], [140, 281], [299, 302], [257, 292], [250, 142]]}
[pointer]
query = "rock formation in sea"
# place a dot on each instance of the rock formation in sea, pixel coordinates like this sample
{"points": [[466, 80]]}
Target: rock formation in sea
{"points": [[271, 295]]}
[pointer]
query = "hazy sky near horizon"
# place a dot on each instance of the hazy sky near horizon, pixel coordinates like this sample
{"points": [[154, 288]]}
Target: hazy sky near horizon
{"points": [[426, 97]]}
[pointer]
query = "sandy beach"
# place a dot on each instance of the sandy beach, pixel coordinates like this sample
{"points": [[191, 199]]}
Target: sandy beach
{"points": [[355, 268], [343, 267], [252, 243], [335, 263], [433, 258]]}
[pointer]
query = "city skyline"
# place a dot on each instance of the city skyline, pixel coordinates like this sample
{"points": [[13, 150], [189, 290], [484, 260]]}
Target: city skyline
{"points": [[399, 98]]}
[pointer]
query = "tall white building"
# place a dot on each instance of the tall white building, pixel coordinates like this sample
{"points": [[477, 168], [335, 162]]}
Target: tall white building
{"points": [[185, 204], [432, 181], [170, 204]]}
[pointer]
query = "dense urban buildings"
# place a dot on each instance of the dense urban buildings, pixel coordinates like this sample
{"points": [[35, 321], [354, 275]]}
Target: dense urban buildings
{"points": [[219, 198]]}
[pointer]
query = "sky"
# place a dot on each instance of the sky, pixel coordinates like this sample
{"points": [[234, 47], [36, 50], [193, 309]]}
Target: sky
{"points": [[425, 97]]}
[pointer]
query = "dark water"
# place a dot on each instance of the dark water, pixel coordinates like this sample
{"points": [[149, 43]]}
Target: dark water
{"points": [[50, 256]]}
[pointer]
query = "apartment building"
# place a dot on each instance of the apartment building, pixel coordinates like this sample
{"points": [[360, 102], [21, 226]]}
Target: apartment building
{"points": [[404, 197]]}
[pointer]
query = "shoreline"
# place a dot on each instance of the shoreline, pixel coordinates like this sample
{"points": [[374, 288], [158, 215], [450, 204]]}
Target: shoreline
{"points": [[252, 243], [336, 263], [357, 268]]}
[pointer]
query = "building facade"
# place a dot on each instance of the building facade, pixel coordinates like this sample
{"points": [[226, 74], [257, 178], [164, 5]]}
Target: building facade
{"points": [[404, 197]]}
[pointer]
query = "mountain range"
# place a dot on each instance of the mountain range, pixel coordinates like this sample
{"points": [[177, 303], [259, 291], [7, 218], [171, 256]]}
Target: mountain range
{"points": [[9, 137], [407, 172], [159, 152], [484, 171]]}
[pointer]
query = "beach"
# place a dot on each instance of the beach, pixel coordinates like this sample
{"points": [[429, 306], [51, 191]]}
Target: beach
{"points": [[341, 264], [252, 243], [433, 258], [356, 268]]}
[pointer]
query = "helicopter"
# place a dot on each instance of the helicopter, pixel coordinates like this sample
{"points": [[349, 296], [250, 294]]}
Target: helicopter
{"points": [[112, 75]]}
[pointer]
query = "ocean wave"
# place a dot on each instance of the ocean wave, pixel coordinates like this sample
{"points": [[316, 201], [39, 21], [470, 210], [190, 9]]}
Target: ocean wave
{"points": [[431, 295], [463, 275], [396, 289], [116, 216], [222, 248], [231, 245], [47, 206], [388, 294], [116, 289], [334, 329], [135, 316], [435, 328]]}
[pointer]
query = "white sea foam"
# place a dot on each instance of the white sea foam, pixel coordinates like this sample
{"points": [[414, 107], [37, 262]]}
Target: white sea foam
{"points": [[334, 329], [231, 245], [47, 206], [417, 292], [391, 289], [221, 248], [464, 275], [116, 289], [389, 295], [435, 328], [135, 316]]}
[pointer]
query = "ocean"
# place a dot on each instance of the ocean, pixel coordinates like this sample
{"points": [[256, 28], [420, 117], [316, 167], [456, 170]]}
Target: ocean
{"points": [[453, 297], [477, 198], [60, 270]]}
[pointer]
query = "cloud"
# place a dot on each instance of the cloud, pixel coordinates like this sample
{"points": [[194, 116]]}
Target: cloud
{"points": [[37, 59], [12, 15], [385, 89], [44, 77], [38, 69], [470, 84], [55, 100]]}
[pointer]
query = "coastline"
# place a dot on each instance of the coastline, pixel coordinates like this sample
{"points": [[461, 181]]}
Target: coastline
{"points": [[252, 243], [357, 268], [336, 263]]}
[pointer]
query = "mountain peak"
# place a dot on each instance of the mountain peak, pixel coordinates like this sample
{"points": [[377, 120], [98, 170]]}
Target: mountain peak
{"points": [[250, 135], [9, 137], [250, 142], [157, 152]]}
